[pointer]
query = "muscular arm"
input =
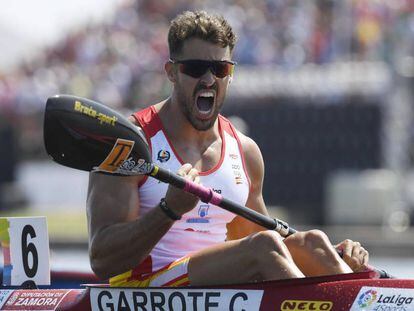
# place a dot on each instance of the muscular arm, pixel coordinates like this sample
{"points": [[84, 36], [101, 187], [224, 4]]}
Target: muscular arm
{"points": [[241, 227], [119, 238]]}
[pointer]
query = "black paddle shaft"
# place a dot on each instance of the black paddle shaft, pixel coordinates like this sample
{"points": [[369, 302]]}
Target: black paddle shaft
{"points": [[207, 195]]}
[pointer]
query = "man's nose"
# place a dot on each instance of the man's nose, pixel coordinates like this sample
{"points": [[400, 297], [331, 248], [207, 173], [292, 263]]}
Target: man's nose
{"points": [[208, 78]]}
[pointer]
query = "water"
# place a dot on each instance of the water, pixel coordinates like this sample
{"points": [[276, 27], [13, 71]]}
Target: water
{"points": [[398, 267]]}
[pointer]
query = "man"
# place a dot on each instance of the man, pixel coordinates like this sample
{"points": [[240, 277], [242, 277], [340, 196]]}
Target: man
{"points": [[146, 233]]}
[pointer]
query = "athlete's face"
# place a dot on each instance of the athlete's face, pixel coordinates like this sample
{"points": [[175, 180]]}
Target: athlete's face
{"points": [[200, 98]]}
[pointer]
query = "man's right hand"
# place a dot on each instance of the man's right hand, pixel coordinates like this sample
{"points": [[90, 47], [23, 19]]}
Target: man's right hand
{"points": [[179, 201]]}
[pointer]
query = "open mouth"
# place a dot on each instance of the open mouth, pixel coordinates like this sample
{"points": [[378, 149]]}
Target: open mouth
{"points": [[205, 103]]}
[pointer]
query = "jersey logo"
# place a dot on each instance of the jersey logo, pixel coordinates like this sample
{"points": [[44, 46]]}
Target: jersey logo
{"points": [[203, 210], [163, 156], [238, 177], [233, 156], [202, 213]]}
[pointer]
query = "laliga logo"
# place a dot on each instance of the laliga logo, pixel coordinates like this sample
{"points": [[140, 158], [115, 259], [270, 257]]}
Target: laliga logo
{"points": [[367, 298], [163, 156]]}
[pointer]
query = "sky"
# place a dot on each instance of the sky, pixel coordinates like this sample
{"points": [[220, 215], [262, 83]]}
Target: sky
{"points": [[27, 25]]}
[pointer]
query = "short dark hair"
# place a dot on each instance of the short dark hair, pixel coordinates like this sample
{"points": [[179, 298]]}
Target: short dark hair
{"points": [[201, 25]]}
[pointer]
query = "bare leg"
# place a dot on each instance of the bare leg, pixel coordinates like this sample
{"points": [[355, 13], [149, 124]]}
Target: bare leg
{"points": [[261, 256], [314, 254]]}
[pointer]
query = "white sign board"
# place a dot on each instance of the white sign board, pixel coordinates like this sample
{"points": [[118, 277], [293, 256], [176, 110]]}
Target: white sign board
{"points": [[175, 299], [25, 246]]}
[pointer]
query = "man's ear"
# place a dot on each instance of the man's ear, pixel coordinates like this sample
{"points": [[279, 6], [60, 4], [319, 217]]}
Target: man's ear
{"points": [[170, 71]]}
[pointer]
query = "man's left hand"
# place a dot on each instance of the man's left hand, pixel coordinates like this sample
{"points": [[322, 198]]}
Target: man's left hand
{"points": [[353, 254]]}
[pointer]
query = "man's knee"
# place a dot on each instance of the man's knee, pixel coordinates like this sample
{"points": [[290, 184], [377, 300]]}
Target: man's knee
{"points": [[316, 239], [263, 242], [308, 240], [270, 256]]}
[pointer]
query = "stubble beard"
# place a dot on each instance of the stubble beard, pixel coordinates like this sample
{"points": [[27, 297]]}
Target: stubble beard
{"points": [[187, 105]]}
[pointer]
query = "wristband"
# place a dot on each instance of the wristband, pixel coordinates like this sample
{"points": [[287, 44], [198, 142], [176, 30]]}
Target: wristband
{"points": [[167, 211]]}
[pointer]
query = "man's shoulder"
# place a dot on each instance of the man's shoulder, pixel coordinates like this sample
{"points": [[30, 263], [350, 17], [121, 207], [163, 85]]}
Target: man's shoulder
{"points": [[245, 141], [248, 144], [139, 116]]}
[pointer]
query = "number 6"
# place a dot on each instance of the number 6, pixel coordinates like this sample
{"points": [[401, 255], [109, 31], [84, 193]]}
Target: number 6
{"points": [[28, 248]]}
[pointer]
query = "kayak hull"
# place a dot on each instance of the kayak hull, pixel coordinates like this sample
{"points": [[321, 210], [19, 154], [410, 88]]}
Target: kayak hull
{"points": [[356, 291]]}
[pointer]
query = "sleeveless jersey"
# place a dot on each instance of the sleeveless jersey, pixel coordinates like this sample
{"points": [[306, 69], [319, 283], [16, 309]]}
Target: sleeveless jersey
{"points": [[205, 225]]}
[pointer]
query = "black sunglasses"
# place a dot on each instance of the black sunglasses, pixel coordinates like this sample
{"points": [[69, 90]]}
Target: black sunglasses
{"points": [[196, 67]]}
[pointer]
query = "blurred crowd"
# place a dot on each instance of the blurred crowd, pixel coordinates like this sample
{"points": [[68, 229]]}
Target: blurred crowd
{"points": [[120, 62]]}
